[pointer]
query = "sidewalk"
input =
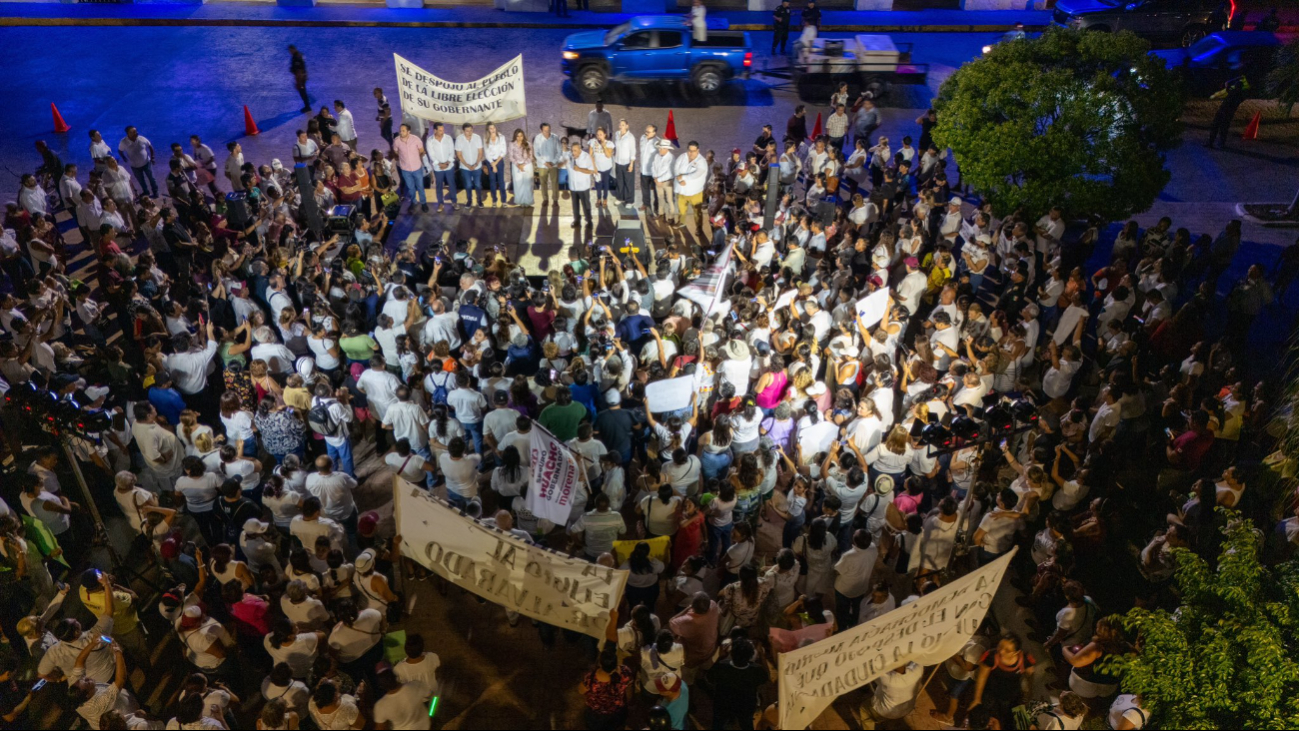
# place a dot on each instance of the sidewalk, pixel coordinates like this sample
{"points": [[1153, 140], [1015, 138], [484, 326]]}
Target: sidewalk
{"points": [[257, 14]]}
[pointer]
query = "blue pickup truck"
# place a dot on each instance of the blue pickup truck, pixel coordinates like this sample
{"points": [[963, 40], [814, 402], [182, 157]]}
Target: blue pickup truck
{"points": [[657, 48]]}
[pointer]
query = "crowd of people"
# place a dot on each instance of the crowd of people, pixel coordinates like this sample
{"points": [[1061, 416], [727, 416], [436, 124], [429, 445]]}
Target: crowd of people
{"points": [[827, 470]]}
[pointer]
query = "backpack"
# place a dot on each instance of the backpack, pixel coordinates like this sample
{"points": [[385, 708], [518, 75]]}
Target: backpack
{"points": [[440, 390], [321, 420]]}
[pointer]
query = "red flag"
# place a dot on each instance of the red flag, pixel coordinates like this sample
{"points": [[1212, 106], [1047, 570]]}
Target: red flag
{"points": [[816, 129], [670, 133]]}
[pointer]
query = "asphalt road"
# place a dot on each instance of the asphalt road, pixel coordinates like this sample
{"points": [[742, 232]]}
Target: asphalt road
{"points": [[175, 82]]}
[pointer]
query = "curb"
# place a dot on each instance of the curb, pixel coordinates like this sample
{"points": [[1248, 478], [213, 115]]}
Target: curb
{"points": [[18, 22]]}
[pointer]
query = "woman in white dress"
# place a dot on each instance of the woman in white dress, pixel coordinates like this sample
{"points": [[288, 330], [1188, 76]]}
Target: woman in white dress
{"points": [[817, 550], [521, 168]]}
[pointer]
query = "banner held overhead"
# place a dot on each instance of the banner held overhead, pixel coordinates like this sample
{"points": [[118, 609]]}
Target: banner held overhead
{"points": [[497, 97], [927, 631], [533, 581]]}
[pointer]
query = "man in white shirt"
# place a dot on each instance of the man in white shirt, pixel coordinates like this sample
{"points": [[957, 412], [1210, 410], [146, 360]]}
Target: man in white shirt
{"points": [[836, 126], [500, 421], [338, 444], [401, 705], [407, 420], [1049, 230], [279, 359], [469, 405], [346, 127], [203, 155], [380, 389], [137, 152], [664, 183], [311, 524], [69, 188], [1107, 418], [234, 165], [581, 176], [162, 451], [441, 152], [649, 149], [996, 532], [624, 164], [547, 154], [191, 365], [1064, 365], [334, 490], [945, 341], [691, 171], [442, 324], [852, 577], [469, 153], [913, 286]]}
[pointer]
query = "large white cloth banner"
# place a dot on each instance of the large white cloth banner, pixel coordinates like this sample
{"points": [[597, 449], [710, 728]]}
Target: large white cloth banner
{"points": [[553, 483], [509, 571], [926, 632], [497, 97]]}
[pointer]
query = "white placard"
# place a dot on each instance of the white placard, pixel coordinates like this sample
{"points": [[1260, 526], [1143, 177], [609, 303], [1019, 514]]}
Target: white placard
{"points": [[670, 395], [784, 299], [501, 568], [497, 97], [871, 308], [927, 631]]}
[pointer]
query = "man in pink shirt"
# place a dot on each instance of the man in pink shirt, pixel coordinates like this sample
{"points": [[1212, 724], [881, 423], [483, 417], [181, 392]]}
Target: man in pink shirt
{"points": [[410, 163], [696, 629]]}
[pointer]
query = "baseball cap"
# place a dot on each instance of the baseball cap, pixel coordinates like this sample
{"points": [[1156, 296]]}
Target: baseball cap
{"points": [[366, 524], [667, 683], [912, 261], [253, 525]]}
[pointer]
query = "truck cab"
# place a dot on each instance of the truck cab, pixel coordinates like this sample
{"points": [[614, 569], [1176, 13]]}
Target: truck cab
{"points": [[654, 48]]}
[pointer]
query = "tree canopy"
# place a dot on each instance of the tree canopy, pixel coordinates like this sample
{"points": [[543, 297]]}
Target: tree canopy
{"points": [[1228, 657], [1077, 119]]}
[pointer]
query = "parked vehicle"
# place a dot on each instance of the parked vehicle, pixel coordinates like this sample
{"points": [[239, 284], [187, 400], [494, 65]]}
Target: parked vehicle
{"points": [[870, 64], [657, 48], [1166, 21], [1219, 57]]}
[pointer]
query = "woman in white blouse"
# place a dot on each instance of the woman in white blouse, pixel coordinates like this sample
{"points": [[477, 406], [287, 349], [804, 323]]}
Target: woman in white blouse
{"points": [[494, 163]]}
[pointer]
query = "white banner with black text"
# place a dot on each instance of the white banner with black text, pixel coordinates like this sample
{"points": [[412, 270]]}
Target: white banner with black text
{"points": [[496, 97]]}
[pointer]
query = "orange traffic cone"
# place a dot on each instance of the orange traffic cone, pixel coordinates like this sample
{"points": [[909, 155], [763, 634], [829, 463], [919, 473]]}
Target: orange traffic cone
{"points": [[59, 125], [670, 132], [816, 129], [1251, 129], [250, 127]]}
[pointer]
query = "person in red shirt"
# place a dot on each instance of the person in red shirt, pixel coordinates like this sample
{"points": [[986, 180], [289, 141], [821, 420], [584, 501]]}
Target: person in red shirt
{"points": [[1187, 451]]}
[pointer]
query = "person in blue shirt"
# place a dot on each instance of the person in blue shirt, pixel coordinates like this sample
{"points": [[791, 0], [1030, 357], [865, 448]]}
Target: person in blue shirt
{"points": [[674, 697], [634, 328], [472, 317], [165, 398]]}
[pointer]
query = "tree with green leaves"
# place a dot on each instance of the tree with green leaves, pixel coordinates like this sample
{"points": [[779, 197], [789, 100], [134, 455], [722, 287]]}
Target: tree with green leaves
{"points": [[1228, 657], [1283, 80], [1077, 119]]}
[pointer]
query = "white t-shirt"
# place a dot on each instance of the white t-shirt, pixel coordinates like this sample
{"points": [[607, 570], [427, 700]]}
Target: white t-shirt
{"points": [[424, 672], [461, 474], [351, 642], [301, 654], [380, 389], [404, 708], [414, 466]]}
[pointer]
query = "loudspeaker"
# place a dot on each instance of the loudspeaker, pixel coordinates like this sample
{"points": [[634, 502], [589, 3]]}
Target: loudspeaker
{"points": [[307, 199], [237, 215]]}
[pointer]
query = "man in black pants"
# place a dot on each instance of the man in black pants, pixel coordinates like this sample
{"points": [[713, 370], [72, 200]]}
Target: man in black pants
{"points": [[298, 67], [580, 178], [649, 149], [780, 24], [1232, 95]]}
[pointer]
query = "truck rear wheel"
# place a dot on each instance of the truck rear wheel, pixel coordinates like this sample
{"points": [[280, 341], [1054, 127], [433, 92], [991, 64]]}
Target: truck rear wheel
{"points": [[707, 79], [592, 79]]}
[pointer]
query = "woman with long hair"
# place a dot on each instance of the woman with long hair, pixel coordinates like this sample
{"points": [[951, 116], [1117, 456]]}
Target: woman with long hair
{"points": [[238, 423], [607, 688], [643, 577], [817, 548], [189, 429], [509, 478], [441, 430], [742, 601], [520, 155], [745, 427], [715, 449]]}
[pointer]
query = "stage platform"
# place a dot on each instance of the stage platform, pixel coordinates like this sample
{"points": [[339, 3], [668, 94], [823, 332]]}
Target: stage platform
{"points": [[538, 238]]}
